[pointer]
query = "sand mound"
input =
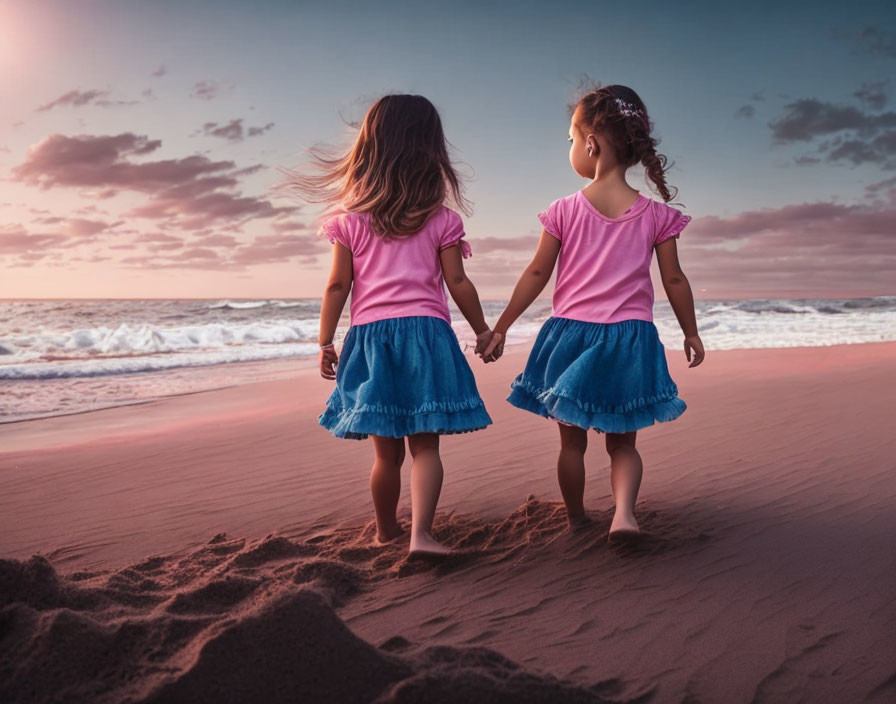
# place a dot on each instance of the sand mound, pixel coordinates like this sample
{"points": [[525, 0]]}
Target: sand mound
{"points": [[236, 622]]}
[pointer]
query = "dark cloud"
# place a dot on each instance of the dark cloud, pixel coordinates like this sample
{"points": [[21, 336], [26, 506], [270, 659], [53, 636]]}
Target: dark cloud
{"points": [[872, 94], [206, 90], [745, 111], [232, 131], [874, 40], [255, 131], [160, 71], [808, 118], [885, 185], [758, 96], [78, 98], [853, 135], [857, 151]]}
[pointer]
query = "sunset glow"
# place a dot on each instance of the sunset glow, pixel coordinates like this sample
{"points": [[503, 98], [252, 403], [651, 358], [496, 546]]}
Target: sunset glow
{"points": [[146, 167]]}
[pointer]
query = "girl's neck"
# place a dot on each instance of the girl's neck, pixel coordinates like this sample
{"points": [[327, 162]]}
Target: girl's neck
{"points": [[610, 185]]}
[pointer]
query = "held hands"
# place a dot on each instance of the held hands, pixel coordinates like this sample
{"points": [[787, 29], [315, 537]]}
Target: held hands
{"points": [[328, 360], [493, 348], [693, 342], [482, 340]]}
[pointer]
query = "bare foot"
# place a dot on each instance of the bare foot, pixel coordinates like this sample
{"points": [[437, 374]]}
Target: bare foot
{"points": [[425, 544], [623, 528], [388, 535], [578, 522]]}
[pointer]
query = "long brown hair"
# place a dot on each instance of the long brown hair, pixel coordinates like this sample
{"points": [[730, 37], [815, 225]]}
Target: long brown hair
{"points": [[398, 170], [620, 115]]}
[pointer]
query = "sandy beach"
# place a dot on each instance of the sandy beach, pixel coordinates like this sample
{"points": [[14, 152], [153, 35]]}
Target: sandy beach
{"points": [[217, 547]]}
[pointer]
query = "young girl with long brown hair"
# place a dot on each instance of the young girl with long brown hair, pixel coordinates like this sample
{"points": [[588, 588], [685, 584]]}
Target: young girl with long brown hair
{"points": [[396, 245], [598, 362]]}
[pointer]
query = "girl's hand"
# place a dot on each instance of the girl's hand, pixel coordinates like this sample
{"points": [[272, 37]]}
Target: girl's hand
{"points": [[482, 340], [494, 349], [328, 360], [693, 342]]}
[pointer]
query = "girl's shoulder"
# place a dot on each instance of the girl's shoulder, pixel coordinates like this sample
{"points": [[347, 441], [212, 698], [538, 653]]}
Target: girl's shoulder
{"points": [[668, 222], [559, 214], [342, 227]]}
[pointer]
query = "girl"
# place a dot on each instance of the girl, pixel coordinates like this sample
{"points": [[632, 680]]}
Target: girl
{"points": [[598, 361], [402, 373]]}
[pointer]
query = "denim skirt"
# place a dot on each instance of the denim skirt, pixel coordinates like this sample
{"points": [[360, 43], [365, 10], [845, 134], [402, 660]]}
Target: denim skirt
{"points": [[403, 376], [611, 377]]}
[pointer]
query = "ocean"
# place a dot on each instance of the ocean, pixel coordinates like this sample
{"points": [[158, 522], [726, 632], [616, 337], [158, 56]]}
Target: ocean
{"points": [[59, 357]]}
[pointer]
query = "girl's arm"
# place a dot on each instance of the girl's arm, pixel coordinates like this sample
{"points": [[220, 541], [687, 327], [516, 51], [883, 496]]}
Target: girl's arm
{"points": [[531, 283], [681, 298], [335, 295], [464, 293]]}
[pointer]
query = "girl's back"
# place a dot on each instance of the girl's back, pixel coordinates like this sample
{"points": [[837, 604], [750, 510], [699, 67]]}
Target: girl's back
{"points": [[397, 276], [603, 269]]}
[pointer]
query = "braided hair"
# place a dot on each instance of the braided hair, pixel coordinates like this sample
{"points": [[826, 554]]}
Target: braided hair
{"points": [[620, 115]]}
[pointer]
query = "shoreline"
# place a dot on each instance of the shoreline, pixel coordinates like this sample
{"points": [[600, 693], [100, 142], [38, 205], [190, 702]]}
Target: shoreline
{"points": [[309, 362]]}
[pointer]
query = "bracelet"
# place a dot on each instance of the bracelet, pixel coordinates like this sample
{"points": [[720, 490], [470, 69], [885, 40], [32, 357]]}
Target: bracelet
{"points": [[329, 344]]}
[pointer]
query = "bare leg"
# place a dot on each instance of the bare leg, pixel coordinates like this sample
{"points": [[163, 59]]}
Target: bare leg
{"points": [[571, 472], [625, 478], [426, 485], [385, 485]]}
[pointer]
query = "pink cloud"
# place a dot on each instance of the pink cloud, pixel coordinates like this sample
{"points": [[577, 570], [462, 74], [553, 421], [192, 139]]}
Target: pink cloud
{"points": [[78, 98], [216, 241], [206, 90], [198, 212], [75, 98], [18, 247], [186, 193], [267, 249], [525, 244], [289, 226]]}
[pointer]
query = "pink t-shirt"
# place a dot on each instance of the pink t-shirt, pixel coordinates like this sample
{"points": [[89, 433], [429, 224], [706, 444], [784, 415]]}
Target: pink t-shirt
{"points": [[401, 276], [603, 270]]}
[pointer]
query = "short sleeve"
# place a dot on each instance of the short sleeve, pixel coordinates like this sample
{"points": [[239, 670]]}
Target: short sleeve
{"points": [[552, 219], [669, 223], [454, 234], [333, 229]]}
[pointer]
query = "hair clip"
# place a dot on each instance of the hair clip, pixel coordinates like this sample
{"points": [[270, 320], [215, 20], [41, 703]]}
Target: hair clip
{"points": [[626, 108]]}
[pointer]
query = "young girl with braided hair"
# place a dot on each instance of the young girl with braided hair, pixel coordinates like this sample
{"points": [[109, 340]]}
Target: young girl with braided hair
{"points": [[598, 361]]}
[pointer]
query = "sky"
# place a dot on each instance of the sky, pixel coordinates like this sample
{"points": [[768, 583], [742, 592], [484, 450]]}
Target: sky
{"points": [[141, 142]]}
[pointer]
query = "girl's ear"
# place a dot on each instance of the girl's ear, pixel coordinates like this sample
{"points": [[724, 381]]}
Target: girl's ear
{"points": [[591, 145]]}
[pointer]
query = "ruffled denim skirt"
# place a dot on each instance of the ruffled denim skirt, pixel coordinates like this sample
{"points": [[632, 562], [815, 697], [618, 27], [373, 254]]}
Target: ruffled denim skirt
{"points": [[611, 377], [402, 376]]}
